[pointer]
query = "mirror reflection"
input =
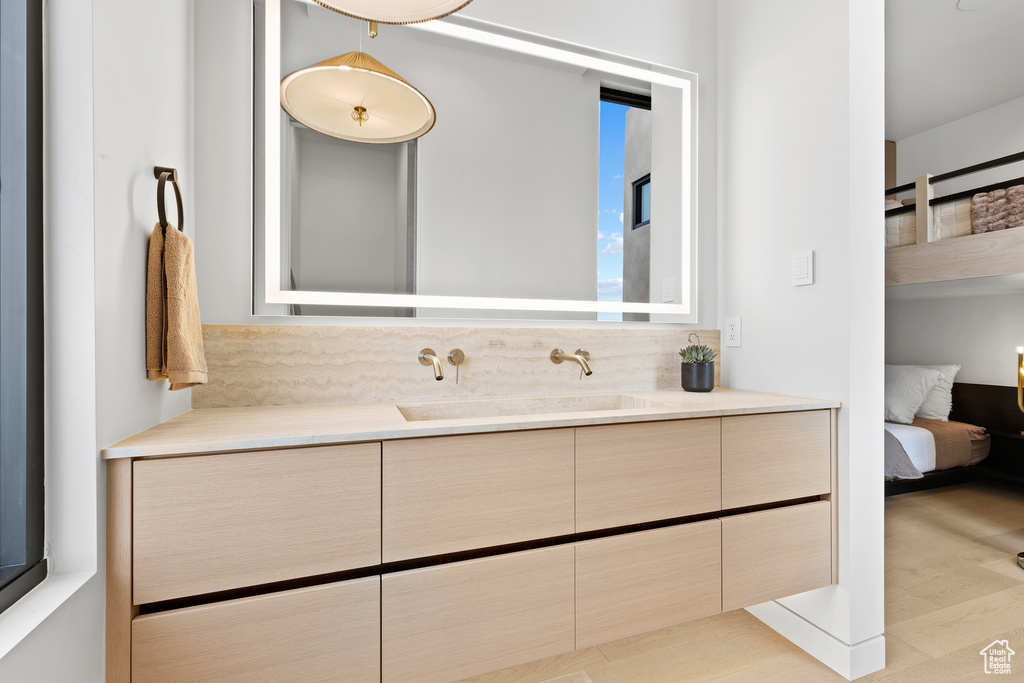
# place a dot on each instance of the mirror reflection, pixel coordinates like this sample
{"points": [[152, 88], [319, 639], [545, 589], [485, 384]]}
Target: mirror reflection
{"points": [[536, 182]]}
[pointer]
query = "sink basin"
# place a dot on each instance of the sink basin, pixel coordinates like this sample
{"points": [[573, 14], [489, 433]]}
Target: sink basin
{"points": [[527, 405]]}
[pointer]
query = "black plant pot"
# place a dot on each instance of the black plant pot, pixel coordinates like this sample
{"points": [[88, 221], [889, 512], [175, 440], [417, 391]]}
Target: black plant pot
{"points": [[698, 376]]}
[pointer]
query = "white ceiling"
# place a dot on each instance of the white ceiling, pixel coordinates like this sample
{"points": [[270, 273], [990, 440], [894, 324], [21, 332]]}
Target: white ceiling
{"points": [[942, 64]]}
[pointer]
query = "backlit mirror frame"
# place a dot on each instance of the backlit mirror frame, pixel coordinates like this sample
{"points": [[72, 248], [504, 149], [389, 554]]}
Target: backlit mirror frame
{"points": [[529, 45]]}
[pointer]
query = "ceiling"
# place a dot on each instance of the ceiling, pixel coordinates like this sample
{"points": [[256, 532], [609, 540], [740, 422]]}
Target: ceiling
{"points": [[942, 64]]}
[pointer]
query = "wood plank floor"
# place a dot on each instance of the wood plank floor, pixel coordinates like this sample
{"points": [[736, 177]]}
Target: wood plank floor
{"points": [[952, 587]]}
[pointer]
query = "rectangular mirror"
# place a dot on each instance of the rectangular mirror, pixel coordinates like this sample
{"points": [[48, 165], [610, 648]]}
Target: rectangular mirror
{"points": [[559, 182]]}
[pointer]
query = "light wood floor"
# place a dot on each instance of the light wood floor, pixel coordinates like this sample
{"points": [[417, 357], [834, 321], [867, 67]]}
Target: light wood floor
{"points": [[952, 587]]}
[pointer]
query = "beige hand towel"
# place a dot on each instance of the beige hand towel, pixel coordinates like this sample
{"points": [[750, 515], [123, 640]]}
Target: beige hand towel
{"points": [[174, 333], [156, 301]]}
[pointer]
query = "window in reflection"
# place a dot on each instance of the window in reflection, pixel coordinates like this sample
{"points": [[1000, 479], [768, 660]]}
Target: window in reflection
{"points": [[624, 198]]}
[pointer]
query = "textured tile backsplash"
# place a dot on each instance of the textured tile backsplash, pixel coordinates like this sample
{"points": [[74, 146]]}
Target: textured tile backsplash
{"points": [[252, 365]]}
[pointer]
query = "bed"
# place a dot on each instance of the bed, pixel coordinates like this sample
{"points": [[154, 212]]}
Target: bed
{"points": [[966, 234], [921, 441], [932, 445]]}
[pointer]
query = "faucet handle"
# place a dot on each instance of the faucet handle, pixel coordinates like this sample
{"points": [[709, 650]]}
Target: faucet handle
{"points": [[456, 357]]}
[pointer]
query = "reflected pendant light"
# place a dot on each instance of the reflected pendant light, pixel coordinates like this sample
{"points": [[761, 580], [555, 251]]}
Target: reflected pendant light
{"points": [[355, 97], [394, 11]]}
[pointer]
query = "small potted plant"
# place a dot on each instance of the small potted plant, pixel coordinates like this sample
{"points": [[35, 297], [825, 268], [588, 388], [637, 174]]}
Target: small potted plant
{"points": [[698, 366]]}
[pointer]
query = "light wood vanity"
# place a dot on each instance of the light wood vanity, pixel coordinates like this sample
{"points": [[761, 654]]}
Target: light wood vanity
{"points": [[414, 558]]}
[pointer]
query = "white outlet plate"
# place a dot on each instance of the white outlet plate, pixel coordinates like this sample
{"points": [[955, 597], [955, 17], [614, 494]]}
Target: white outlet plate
{"points": [[732, 333]]}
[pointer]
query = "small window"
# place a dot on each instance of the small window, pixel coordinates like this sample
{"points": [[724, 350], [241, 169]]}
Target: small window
{"points": [[22, 564], [642, 201]]}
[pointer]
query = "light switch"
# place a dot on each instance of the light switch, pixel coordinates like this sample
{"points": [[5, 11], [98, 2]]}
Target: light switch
{"points": [[803, 268]]}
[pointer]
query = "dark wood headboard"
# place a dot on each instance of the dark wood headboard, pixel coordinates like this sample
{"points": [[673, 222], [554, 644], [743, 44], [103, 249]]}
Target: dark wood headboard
{"points": [[995, 408], [987, 405]]}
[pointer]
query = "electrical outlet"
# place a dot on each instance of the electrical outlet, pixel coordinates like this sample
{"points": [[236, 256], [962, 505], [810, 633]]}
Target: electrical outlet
{"points": [[733, 332]]}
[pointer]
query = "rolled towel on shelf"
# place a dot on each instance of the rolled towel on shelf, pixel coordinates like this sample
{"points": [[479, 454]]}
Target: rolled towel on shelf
{"points": [[997, 210]]}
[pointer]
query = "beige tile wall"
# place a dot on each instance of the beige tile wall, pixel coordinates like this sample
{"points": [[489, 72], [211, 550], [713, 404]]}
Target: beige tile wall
{"points": [[253, 365]]}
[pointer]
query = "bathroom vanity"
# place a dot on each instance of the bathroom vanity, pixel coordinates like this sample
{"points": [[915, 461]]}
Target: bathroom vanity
{"points": [[363, 542]]}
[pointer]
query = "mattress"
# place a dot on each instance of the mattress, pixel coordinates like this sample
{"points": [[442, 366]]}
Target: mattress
{"points": [[917, 442], [938, 445]]}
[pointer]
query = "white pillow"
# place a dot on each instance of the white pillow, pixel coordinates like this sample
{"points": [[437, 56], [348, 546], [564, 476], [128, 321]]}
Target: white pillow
{"points": [[906, 387], [939, 401]]}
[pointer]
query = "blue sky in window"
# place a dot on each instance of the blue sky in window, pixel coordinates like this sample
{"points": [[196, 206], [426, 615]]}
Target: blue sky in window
{"points": [[610, 220]]}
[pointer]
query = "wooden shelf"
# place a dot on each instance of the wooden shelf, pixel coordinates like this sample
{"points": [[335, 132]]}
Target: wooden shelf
{"points": [[957, 258]]}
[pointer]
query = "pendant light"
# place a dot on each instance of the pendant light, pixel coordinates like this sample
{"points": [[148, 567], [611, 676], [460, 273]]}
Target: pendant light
{"points": [[394, 11], [355, 97]]}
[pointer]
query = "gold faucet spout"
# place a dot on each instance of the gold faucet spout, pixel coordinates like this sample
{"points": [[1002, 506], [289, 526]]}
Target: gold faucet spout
{"points": [[581, 357], [428, 357]]}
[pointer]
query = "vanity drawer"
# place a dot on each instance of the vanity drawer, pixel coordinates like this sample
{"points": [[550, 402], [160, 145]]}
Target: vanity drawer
{"points": [[775, 457], [217, 522], [632, 473], [451, 493], [775, 553], [315, 635], [449, 622], [640, 582]]}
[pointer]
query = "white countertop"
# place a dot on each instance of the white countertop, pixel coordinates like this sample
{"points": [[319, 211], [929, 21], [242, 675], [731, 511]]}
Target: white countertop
{"points": [[211, 430]]}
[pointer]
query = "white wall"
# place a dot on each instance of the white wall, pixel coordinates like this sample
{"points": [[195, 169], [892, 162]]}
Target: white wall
{"points": [[986, 135], [980, 333], [801, 107], [347, 204], [933, 323], [118, 100], [507, 190], [223, 160], [142, 115], [683, 37]]}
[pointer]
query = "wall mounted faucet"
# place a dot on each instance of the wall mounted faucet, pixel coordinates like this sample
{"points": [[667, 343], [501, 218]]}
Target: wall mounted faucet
{"points": [[428, 357], [581, 357]]}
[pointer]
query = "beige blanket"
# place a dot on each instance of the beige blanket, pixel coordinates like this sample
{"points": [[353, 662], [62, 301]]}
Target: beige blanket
{"points": [[997, 210], [956, 444]]}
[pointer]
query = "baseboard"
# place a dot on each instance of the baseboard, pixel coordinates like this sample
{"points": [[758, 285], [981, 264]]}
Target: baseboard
{"points": [[849, 661]]}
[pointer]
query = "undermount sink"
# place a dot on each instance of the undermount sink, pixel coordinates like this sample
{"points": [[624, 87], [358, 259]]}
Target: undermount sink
{"points": [[527, 405]]}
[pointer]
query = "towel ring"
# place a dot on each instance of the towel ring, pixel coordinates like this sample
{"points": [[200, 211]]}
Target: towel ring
{"points": [[163, 174]]}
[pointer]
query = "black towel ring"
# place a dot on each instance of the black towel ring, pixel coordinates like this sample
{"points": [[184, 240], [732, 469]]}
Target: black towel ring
{"points": [[163, 174]]}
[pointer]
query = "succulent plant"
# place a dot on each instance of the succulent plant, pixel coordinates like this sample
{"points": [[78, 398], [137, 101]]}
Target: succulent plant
{"points": [[697, 353]]}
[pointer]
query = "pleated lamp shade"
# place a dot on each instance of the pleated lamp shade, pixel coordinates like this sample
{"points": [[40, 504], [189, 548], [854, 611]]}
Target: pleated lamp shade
{"points": [[355, 97], [395, 11]]}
